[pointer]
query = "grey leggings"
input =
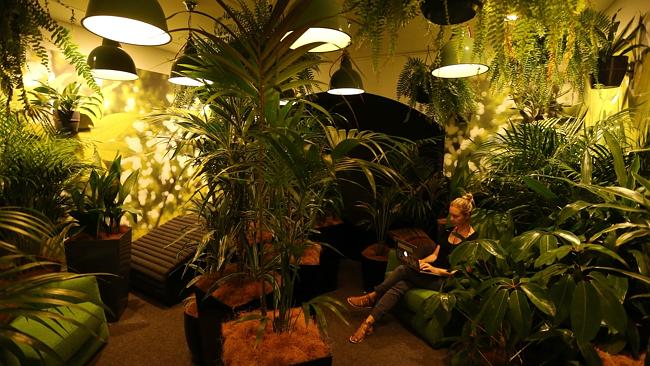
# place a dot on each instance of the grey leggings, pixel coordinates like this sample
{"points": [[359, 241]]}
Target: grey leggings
{"points": [[402, 279]]}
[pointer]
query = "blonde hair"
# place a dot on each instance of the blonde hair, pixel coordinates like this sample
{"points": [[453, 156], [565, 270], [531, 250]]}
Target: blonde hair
{"points": [[465, 203]]}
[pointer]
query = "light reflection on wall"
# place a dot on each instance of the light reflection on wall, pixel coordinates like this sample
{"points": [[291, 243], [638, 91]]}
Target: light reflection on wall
{"points": [[163, 186]]}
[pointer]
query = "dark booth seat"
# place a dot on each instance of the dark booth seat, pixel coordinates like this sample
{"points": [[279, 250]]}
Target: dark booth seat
{"points": [[157, 265]]}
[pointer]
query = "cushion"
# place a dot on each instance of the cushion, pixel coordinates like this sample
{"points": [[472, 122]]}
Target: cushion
{"points": [[70, 337]]}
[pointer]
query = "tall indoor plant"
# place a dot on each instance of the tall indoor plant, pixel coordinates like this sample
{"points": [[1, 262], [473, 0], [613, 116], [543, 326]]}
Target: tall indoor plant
{"points": [[104, 244], [267, 170]]}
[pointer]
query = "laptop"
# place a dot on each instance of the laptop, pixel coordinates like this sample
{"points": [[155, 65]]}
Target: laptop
{"points": [[406, 254]]}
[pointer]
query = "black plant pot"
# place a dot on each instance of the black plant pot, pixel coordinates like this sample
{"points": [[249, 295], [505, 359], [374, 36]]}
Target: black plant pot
{"points": [[610, 72], [460, 11], [112, 255], [68, 124], [193, 337]]}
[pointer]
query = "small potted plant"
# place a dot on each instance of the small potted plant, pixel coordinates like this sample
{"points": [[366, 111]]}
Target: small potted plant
{"points": [[103, 245], [67, 106], [612, 57]]}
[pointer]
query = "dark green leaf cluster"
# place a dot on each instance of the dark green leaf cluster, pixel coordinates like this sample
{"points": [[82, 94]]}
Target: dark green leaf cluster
{"points": [[441, 99], [36, 167], [99, 199], [381, 18], [21, 30]]}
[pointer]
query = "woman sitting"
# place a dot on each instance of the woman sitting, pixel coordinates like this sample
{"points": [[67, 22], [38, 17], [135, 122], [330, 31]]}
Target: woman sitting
{"points": [[386, 295]]}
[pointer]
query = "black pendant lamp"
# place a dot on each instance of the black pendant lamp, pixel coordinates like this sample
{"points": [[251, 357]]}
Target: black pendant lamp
{"points": [[183, 64], [346, 81], [139, 22], [326, 26], [448, 12], [110, 62], [457, 59]]}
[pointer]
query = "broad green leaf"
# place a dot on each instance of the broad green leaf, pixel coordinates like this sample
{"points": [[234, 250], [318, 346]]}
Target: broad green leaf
{"points": [[570, 210], [601, 249], [519, 314], [634, 275], [492, 246], [550, 256], [619, 286], [547, 243], [568, 236], [465, 252], [611, 309], [430, 305], [525, 241], [631, 235], [538, 296], [642, 262], [494, 310], [585, 312], [619, 161], [448, 301], [540, 189], [561, 293]]}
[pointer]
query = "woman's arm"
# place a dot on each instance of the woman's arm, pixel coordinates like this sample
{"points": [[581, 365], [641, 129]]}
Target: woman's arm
{"points": [[436, 270], [431, 258]]}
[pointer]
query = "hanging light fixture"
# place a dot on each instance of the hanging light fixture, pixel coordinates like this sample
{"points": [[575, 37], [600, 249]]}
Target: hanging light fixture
{"points": [[328, 27], [346, 81], [183, 64], [457, 59], [110, 62], [139, 22], [188, 58]]}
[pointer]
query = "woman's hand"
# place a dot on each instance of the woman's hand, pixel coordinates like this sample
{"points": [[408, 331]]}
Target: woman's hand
{"points": [[424, 266]]}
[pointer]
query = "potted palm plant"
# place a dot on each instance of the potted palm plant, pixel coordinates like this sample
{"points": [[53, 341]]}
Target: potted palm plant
{"points": [[104, 245], [612, 57], [67, 106]]}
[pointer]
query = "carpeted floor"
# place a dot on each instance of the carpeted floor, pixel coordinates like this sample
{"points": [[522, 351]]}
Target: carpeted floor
{"points": [[152, 334]]}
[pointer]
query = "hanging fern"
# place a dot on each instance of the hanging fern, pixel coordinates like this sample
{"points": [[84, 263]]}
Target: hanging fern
{"points": [[379, 19], [552, 43], [21, 29], [440, 99]]}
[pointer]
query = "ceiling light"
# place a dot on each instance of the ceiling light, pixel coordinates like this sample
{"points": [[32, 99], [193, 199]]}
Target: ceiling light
{"points": [[511, 17], [110, 62], [328, 27], [457, 59], [346, 81], [140, 22], [183, 65]]}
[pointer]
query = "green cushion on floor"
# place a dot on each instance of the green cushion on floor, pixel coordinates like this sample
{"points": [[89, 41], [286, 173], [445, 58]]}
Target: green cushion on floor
{"points": [[70, 337], [415, 297]]}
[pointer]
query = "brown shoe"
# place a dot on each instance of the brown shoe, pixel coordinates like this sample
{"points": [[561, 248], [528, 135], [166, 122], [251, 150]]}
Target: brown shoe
{"points": [[366, 328], [364, 301]]}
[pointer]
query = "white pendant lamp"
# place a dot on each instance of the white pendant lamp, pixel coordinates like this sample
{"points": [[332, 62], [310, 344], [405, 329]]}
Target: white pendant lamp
{"points": [[457, 59], [328, 27], [139, 22]]}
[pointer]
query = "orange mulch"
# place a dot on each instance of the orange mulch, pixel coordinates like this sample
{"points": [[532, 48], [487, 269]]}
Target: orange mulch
{"points": [[619, 360], [189, 306], [374, 252], [237, 291], [302, 344], [311, 255]]}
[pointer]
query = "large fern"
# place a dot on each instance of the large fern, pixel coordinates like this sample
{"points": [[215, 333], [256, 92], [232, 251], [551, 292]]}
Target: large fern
{"points": [[441, 99], [22, 26]]}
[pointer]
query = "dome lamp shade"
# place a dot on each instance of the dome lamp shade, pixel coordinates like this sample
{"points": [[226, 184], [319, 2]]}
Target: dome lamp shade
{"points": [[110, 62], [326, 27], [457, 60], [139, 22], [182, 65], [346, 81], [449, 12]]}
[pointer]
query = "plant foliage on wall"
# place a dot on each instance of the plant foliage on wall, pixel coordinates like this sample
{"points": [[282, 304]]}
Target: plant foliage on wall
{"points": [[21, 30]]}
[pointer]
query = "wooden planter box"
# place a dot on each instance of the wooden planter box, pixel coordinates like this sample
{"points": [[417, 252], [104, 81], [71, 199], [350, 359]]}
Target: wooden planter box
{"points": [[212, 313], [85, 254]]}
